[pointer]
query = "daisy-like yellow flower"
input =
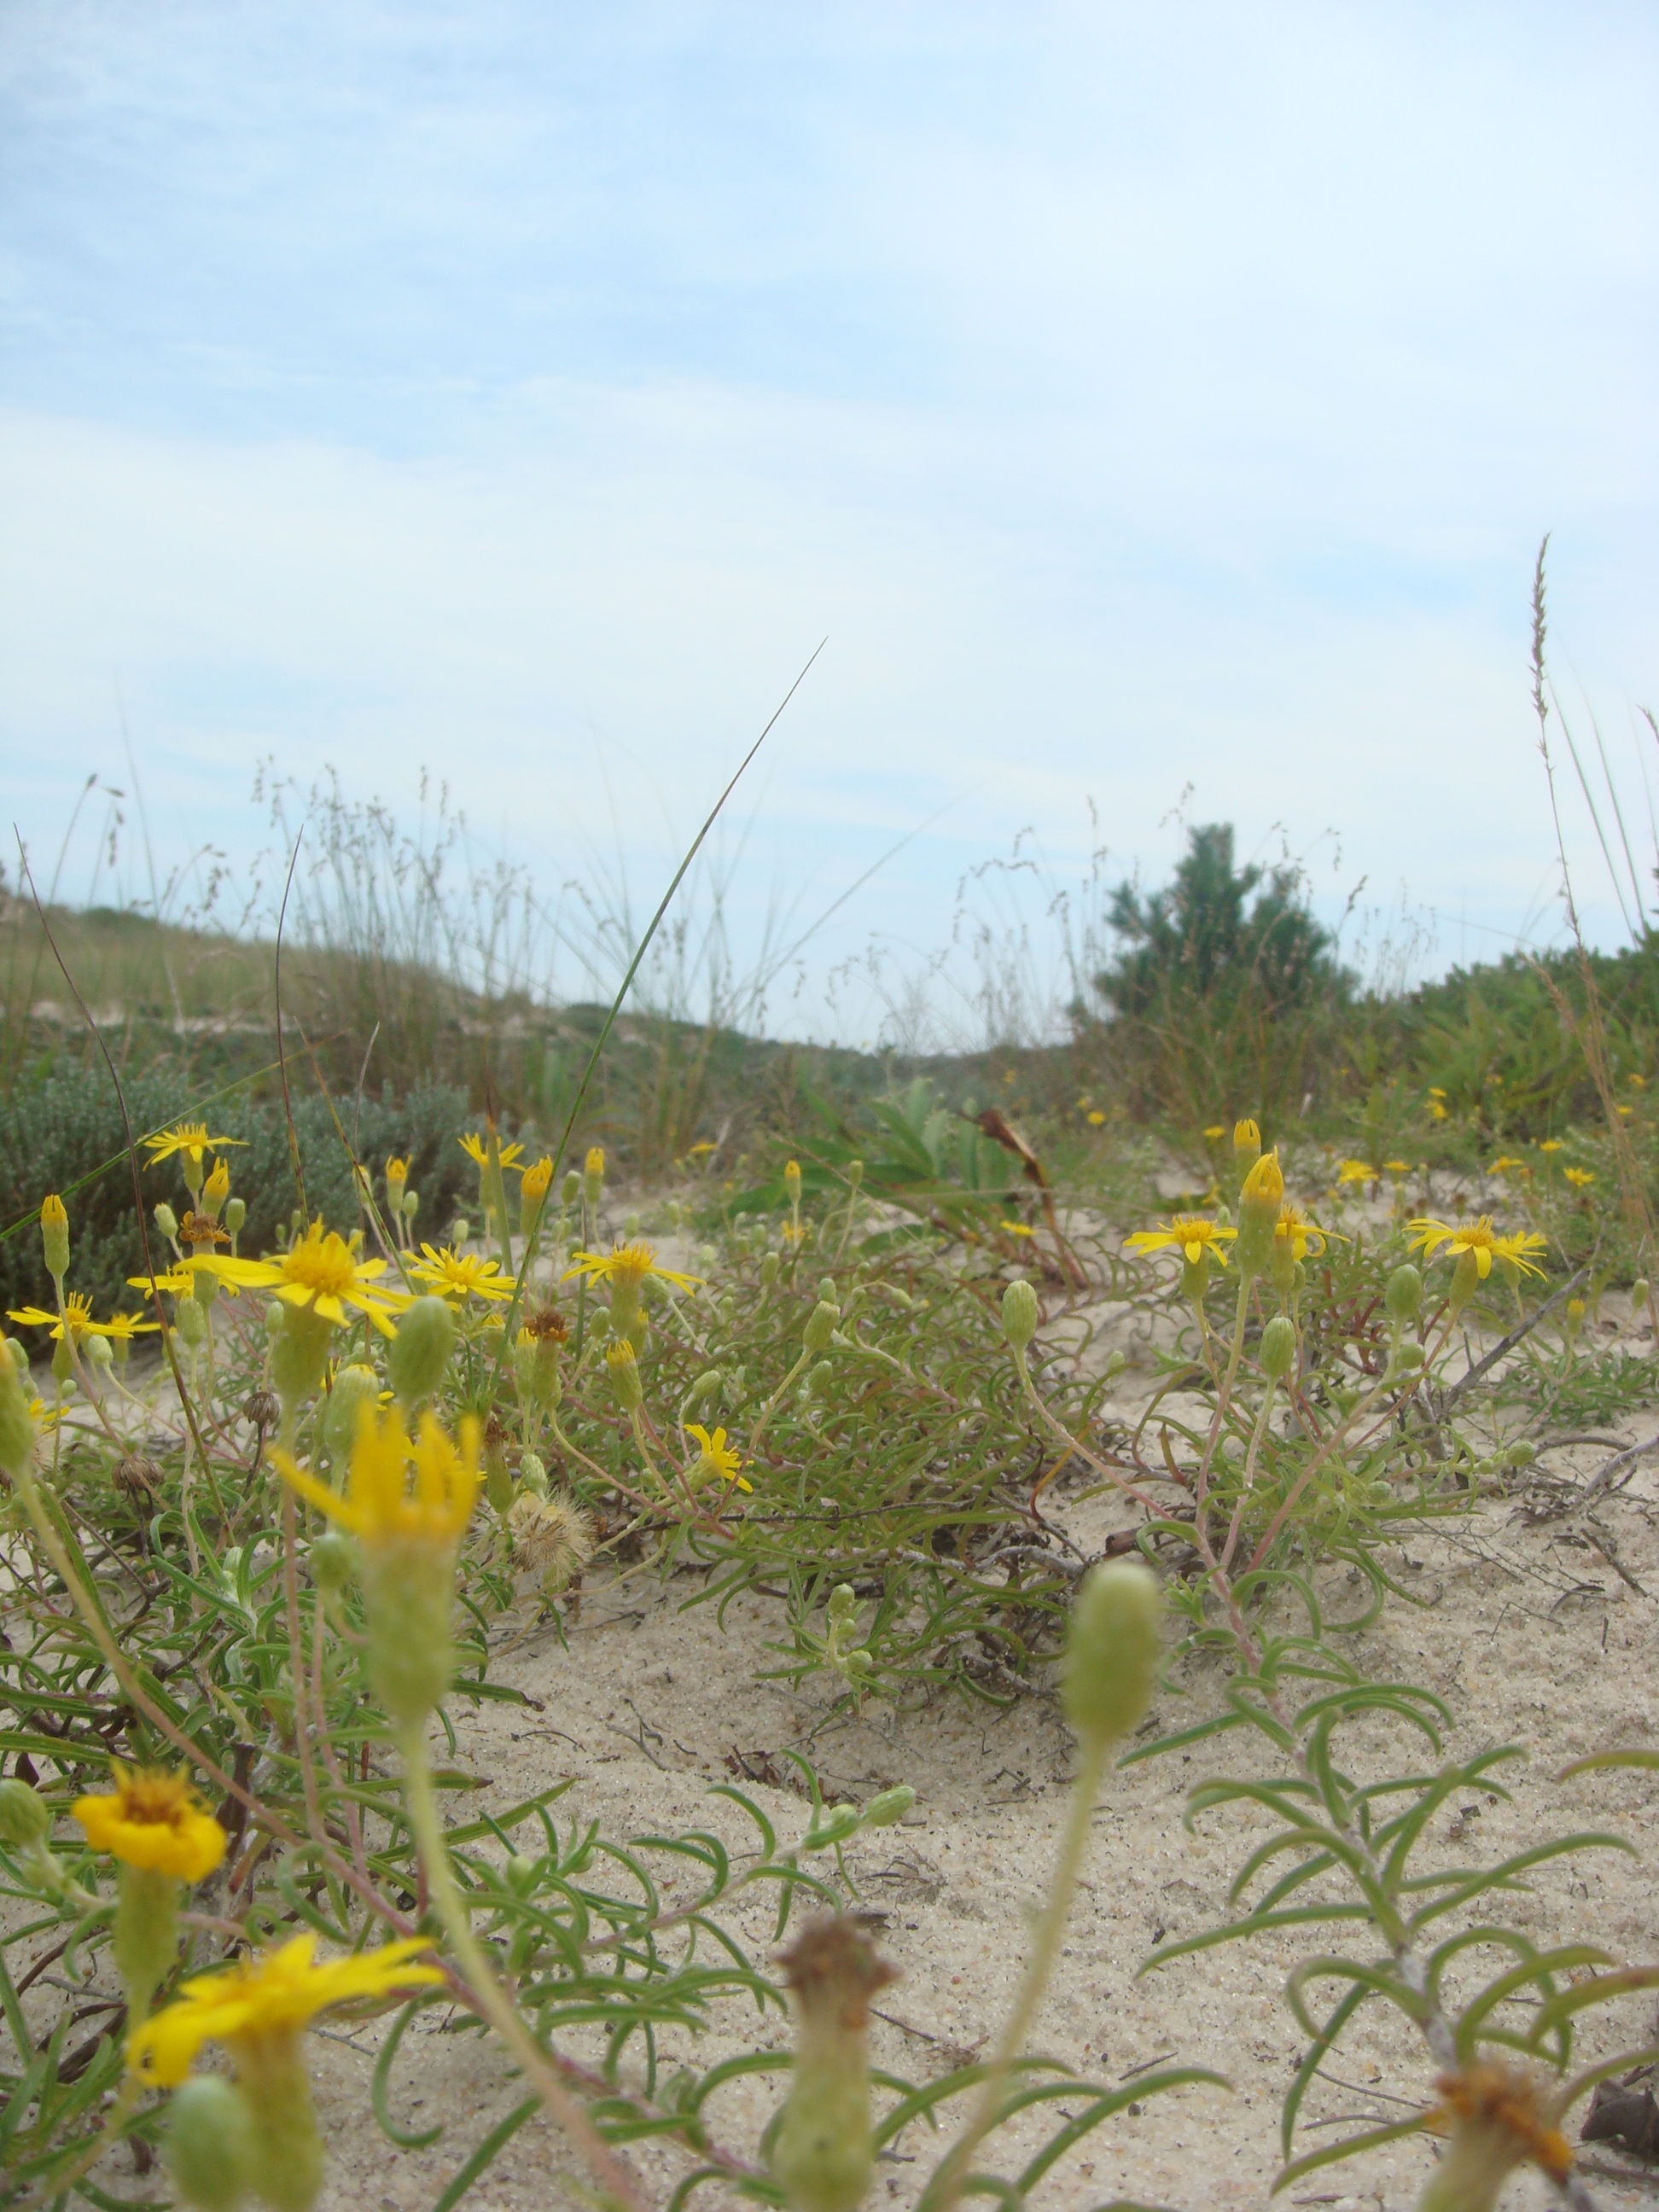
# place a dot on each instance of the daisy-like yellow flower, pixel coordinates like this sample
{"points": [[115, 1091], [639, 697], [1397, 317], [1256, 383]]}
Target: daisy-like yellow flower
{"points": [[1096, 1119], [478, 1150], [627, 1267], [1580, 1178], [320, 1271], [455, 1275], [1396, 1167], [1504, 1163], [537, 1178], [697, 1152], [1017, 1228], [260, 1999], [1437, 1109], [378, 1506], [77, 1310], [1480, 1240], [1295, 1237], [1357, 1172], [190, 1138], [1549, 1144], [122, 1328], [409, 1538], [1215, 1133], [716, 1459], [1189, 1234], [154, 1821], [1435, 1091]]}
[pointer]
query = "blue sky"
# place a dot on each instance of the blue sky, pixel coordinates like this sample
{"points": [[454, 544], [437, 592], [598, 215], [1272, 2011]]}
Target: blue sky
{"points": [[1137, 400]]}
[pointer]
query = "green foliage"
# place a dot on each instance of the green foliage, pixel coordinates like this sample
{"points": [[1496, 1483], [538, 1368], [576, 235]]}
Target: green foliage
{"points": [[65, 1134]]}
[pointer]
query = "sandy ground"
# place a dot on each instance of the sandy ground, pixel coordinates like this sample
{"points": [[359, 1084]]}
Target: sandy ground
{"points": [[1530, 1631], [1540, 1633]]}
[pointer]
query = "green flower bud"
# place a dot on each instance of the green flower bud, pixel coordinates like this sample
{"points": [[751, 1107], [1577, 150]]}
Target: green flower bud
{"points": [[1407, 1355], [208, 2147], [25, 1816], [1639, 1294], [820, 1326], [707, 1387], [833, 1826], [333, 1560], [17, 1352], [167, 1222], [1278, 1349], [889, 1807], [420, 1350], [206, 1290], [299, 1354], [1404, 1295], [768, 1271], [54, 1236], [533, 1473], [235, 1215], [570, 1187], [1110, 1667], [16, 1428], [854, 1173], [191, 1321], [1019, 1314], [1259, 1202], [410, 1208], [1465, 1281], [1196, 1278], [354, 1386], [100, 1354], [146, 1931]]}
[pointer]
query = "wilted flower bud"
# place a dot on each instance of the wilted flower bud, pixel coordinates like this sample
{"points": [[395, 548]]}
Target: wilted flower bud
{"points": [[820, 1326], [1403, 1296], [25, 1816], [552, 1537], [1499, 2118], [260, 1407], [1110, 1667], [821, 2155], [208, 2146], [1277, 1348], [54, 1237], [420, 1350], [1019, 1314], [623, 1369]]}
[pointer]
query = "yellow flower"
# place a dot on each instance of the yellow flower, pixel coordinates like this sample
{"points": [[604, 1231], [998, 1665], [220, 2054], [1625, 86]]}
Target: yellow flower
{"points": [[594, 1164], [1265, 1183], [1504, 1162], [270, 1996], [696, 1151], [154, 1821], [1580, 1178], [1096, 1119], [626, 1267], [715, 1457], [1550, 1145], [537, 1179], [1018, 1228], [1637, 1082], [1216, 1132], [1479, 1238], [1294, 1236], [320, 1270], [1247, 1135], [478, 1150], [1396, 1167], [189, 1137], [77, 1308], [1356, 1171], [1189, 1234], [458, 1275], [1435, 1091], [378, 1507], [1624, 1112], [1436, 1110]]}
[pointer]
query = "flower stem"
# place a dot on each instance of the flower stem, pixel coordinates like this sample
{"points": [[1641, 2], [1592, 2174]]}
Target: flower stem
{"points": [[944, 2191], [491, 1999]]}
